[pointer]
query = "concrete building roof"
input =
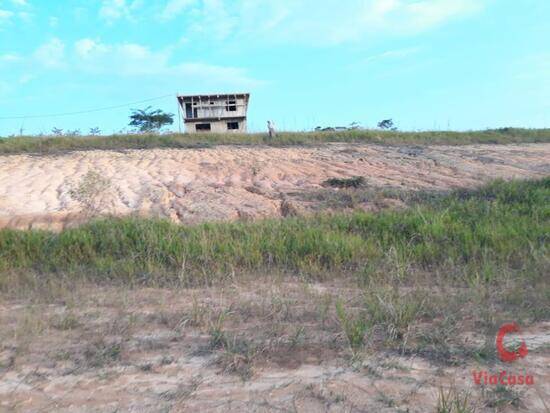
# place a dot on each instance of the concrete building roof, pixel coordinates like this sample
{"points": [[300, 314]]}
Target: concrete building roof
{"points": [[216, 95]]}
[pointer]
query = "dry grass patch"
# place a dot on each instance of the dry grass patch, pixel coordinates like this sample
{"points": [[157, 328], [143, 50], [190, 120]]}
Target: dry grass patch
{"points": [[53, 145]]}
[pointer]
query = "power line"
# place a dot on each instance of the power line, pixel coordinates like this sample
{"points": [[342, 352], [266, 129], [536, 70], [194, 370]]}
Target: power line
{"points": [[56, 115]]}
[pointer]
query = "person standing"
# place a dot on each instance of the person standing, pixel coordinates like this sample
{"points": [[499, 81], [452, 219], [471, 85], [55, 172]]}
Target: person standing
{"points": [[271, 129]]}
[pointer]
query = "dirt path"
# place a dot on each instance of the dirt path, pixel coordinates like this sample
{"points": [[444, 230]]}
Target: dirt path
{"points": [[224, 183]]}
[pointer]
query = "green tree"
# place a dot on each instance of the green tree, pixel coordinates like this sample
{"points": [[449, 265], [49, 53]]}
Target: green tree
{"points": [[147, 120], [386, 124], [95, 131]]}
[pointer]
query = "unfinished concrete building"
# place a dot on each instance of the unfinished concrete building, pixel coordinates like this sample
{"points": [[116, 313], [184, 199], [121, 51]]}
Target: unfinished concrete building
{"points": [[214, 113]]}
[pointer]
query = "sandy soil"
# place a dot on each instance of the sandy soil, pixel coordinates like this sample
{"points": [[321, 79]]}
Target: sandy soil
{"points": [[150, 350], [224, 183]]}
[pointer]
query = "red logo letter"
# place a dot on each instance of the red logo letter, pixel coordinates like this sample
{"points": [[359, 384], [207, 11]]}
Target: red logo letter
{"points": [[505, 355]]}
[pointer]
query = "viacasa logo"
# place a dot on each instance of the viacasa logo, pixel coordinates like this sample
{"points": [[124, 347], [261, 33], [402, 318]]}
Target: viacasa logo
{"points": [[507, 356]]}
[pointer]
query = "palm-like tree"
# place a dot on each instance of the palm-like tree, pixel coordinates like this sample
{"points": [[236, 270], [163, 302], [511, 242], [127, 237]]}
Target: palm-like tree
{"points": [[147, 120]]}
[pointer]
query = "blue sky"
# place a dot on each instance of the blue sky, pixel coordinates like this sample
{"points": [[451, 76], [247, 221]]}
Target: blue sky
{"points": [[428, 64]]}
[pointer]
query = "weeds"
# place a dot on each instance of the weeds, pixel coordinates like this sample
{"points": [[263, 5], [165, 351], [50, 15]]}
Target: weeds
{"points": [[57, 144], [386, 400], [67, 321], [453, 401], [30, 324], [297, 338], [182, 392], [101, 353], [387, 308], [198, 313], [218, 338], [323, 308], [237, 359], [92, 193], [354, 328], [437, 341], [354, 182], [502, 396], [288, 209], [236, 354]]}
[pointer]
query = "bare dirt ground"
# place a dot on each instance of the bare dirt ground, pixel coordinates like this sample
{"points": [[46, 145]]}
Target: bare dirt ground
{"points": [[226, 183], [271, 345]]}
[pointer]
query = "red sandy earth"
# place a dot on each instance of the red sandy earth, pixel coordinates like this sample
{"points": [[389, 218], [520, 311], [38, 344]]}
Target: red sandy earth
{"points": [[231, 182]]}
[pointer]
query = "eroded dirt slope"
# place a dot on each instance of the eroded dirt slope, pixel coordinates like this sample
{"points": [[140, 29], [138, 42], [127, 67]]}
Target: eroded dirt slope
{"points": [[223, 183]]}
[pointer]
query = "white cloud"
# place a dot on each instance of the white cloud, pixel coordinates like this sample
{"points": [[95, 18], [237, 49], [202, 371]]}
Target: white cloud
{"points": [[51, 54], [26, 78], [132, 59], [429, 13], [392, 54], [353, 20], [25, 16], [305, 21], [221, 75], [174, 7], [87, 48], [112, 10], [5, 87], [123, 58], [10, 58], [89, 56], [5, 15]]}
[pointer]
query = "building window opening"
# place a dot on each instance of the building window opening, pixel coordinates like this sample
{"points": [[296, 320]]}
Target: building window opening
{"points": [[231, 106], [188, 110], [201, 127], [232, 125]]}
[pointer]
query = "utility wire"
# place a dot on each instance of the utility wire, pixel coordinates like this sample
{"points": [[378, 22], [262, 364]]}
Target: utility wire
{"points": [[56, 115]]}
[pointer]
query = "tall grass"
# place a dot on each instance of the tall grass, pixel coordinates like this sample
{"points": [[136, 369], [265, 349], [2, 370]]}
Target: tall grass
{"points": [[503, 228], [52, 145]]}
